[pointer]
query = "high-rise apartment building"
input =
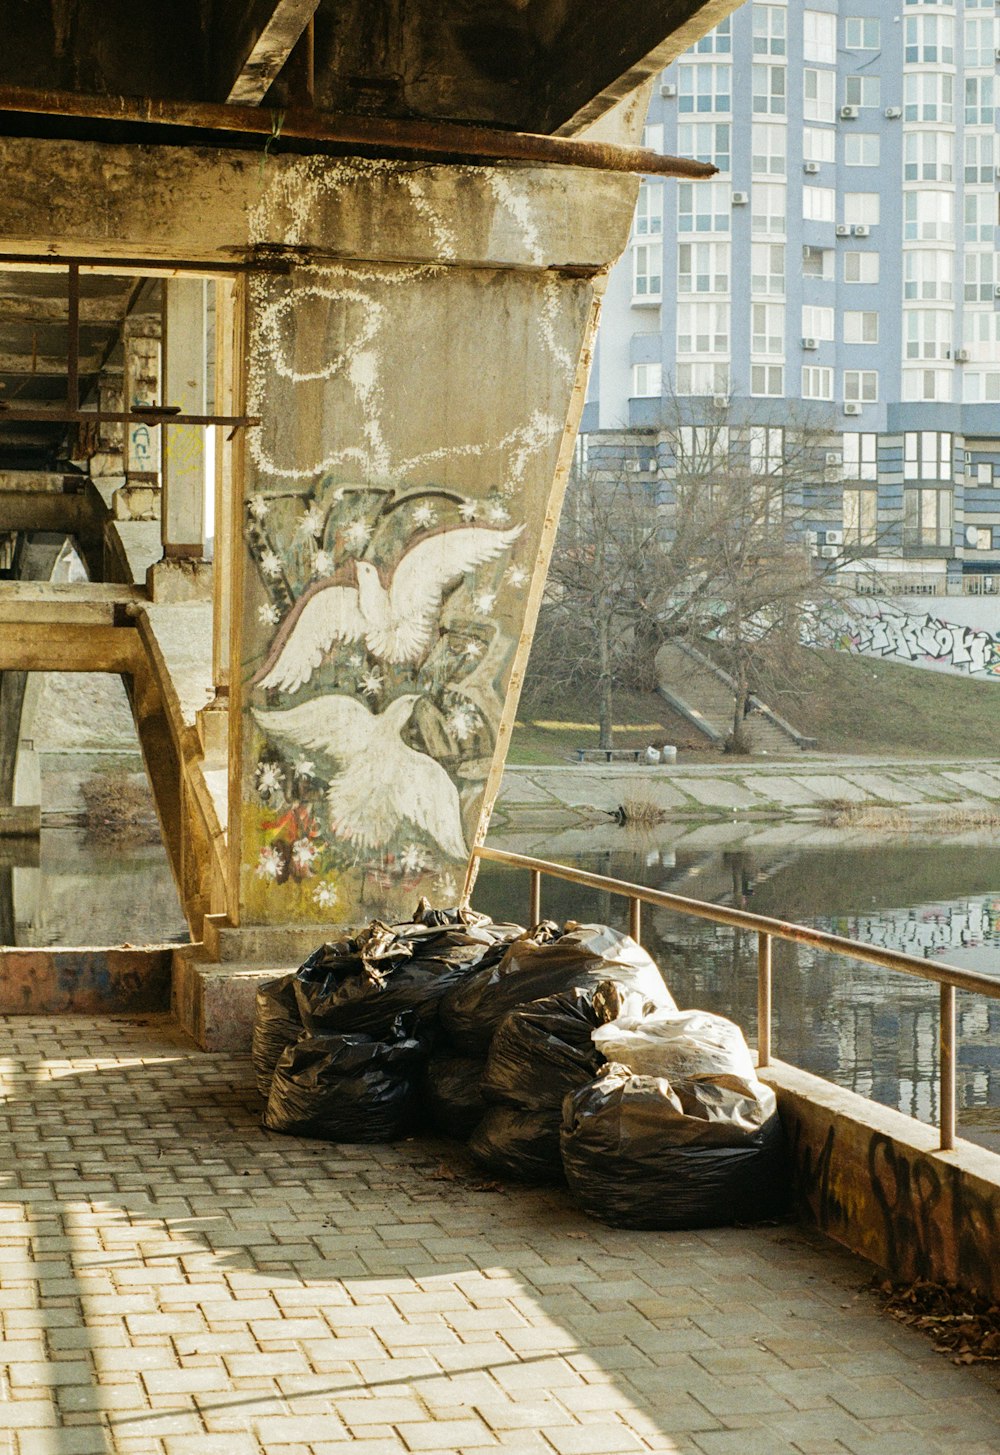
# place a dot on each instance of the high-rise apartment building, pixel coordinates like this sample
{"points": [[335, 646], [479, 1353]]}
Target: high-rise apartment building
{"points": [[843, 264]]}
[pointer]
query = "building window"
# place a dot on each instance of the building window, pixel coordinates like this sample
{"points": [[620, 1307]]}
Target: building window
{"points": [[981, 388], [767, 449], [928, 333], [860, 459], [862, 90], [927, 518], [980, 213], [927, 156], [819, 204], [718, 42], [927, 384], [706, 141], [767, 381], [980, 276], [818, 263], [981, 334], [702, 378], [768, 84], [647, 280], [768, 149], [860, 328], [818, 145], [701, 448], [818, 95], [704, 86], [817, 323], [861, 386], [928, 96], [927, 455], [769, 30], [652, 137], [703, 206], [817, 383], [927, 275], [980, 157], [929, 216], [861, 207], [984, 473], [861, 33], [861, 149], [979, 101], [767, 268], [819, 36], [703, 268], [646, 381], [767, 207], [860, 267], [860, 518], [929, 40], [980, 40], [767, 330], [703, 328]]}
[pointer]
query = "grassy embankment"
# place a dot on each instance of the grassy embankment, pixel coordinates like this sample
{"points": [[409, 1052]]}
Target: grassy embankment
{"points": [[849, 704]]}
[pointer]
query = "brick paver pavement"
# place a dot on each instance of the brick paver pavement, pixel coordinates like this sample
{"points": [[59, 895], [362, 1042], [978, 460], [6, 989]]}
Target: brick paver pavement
{"points": [[175, 1281]]}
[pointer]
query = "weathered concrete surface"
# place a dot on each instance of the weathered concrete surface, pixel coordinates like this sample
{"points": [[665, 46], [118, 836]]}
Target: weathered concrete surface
{"points": [[874, 1180], [92, 981]]}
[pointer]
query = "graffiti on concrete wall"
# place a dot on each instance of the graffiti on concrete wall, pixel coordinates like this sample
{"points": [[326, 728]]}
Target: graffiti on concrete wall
{"points": [[890, 631]]}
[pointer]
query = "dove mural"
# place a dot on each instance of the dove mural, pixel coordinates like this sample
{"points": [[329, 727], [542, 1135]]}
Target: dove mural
{"points": [[378, 695], [397, 621]]}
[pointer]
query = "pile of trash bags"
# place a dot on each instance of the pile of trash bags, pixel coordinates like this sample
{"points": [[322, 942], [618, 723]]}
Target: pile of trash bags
{"points": [[558, 1054]]}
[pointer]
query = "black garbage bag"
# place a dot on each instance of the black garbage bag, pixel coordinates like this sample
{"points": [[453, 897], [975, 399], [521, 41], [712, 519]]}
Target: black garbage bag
{"points": [[522, 1145], [453, 1097], [347, 1088], [639, 1152], [544, 962], [364, 982], [276, 1024]]}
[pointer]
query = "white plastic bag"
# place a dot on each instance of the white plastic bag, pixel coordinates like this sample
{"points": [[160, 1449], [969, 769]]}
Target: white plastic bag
{"points": [[679, 1045]]}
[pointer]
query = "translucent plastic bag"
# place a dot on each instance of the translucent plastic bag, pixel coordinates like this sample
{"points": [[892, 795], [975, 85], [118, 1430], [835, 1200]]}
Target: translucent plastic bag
{"points": [[677, 1044]]}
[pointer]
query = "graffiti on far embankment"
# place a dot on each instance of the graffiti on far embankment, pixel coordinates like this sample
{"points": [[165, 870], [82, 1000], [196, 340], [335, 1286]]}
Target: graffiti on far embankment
{"points": [[900, 633]]}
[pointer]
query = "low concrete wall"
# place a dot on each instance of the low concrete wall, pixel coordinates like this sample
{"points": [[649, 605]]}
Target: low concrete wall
{"points": [[104, 981], [873, 1180]]}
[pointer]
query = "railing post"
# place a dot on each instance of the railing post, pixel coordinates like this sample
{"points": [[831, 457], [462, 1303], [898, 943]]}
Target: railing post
{"points": [[947, 1064], [763, 999], [535, 898], [635, 919]]}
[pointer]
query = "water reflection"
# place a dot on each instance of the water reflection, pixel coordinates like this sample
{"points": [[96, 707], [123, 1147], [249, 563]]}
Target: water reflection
{"points": [[867, 1029]]}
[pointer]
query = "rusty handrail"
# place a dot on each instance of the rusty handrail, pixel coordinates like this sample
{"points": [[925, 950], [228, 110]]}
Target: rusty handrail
{"points": [[949, 977]]}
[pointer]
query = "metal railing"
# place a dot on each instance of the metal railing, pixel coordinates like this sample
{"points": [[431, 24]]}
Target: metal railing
{"points": [[948, 977]]}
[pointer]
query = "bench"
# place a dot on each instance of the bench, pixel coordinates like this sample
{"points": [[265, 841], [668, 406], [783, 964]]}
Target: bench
{"points": [[610, 755]]}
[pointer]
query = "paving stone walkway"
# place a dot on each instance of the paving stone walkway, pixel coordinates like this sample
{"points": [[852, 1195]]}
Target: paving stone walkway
{"points": [[174, 1281]]}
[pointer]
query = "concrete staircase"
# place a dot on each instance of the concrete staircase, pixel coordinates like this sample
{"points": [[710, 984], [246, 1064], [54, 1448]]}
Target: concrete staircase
{"points": [[705, 696]]}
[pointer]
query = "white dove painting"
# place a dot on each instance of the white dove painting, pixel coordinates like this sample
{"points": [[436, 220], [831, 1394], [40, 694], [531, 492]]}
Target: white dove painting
{"points": [[384, 787], [394, 617]]}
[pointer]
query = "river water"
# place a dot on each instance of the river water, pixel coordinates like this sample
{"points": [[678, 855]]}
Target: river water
{"points": [[867, 1029]]}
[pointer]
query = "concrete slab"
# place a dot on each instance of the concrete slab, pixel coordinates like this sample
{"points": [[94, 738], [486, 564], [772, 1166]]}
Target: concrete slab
{"points": [[831, 785], [880, 785], [983, 785], [786, 791], [721, 793]]}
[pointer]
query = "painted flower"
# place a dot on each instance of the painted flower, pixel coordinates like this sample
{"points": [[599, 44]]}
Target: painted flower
{"points": [[517, 576], [303, 854], [268, 614], [269, 863], [469, 509], [303, 767], [425, 515], [462, 722], [497, 515], [322, 564], [371, 682], [355, 660], [484, 602], [268, 779], [412, 859], [311, 523], [473, 650], [270, 564], [325, 895], [258, 507], [356, 535], [446, 887]]}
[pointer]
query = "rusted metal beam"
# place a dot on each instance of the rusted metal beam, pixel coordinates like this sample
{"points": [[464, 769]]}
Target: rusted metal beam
{"points": [[309, 130], [151, 417], [143, 267]]}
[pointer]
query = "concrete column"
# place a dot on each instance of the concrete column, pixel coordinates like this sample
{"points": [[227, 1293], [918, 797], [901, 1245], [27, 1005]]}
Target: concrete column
{"points": [[229, 391], [139, 497], [399, 504], [110, 456]]}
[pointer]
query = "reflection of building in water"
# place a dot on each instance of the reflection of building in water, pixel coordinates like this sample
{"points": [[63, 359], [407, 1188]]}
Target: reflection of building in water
{"points": [[929, 929]]}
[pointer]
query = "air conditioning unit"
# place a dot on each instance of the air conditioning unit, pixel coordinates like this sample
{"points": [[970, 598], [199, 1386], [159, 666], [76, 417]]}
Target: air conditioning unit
{"points": [[720, 401], [668, 91], [833, 538], [852, 407], [996, 54], [810, 343], [809, 252], [828, 553], [811, 167], [849, 113], [832, 458], [843, 230], [961, 356], [740, 199], [861, 229], [893, 113], [996, 290]]}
